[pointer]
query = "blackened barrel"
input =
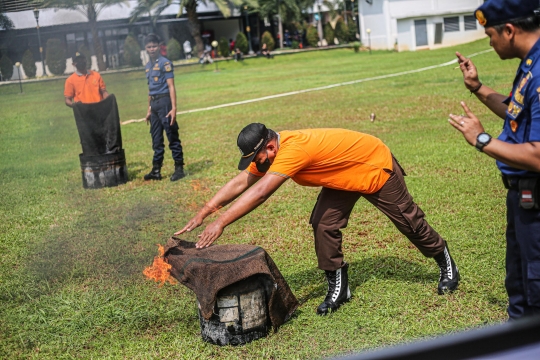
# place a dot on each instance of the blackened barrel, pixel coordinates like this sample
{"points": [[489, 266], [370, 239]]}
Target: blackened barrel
{"points": [[240, 314], [105, 170]]}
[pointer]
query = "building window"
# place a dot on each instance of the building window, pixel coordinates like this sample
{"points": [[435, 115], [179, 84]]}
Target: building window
{"points": [[451, 24], [470, 22]]}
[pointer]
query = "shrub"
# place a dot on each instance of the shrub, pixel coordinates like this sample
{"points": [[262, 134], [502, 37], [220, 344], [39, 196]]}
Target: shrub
{"points": [[356, 46], [132, 51], [328, 34], [174, 51], [6, 67], [342, 31], [241, 43], [55, 56], [352, 30], [223, 47], [268, 39], [84, 51], [312, 37], [295, 44], [29, 64]]}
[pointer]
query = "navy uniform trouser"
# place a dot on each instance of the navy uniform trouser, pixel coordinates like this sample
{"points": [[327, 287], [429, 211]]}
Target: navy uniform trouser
{"points": [[159, 122], [522, 258]]}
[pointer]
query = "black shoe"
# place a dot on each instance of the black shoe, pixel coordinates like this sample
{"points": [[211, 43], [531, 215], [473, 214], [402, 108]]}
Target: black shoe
{"points": [[155, 174], [338, 290], [449, 273], [178, 172]]}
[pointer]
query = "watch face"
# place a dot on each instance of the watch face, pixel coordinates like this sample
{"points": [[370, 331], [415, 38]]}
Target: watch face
{"points": [[483, 138]]}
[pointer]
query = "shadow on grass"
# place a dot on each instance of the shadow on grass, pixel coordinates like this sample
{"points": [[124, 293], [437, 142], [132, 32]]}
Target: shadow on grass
{"points": [[106, 242], [199, 166], [135, 169], [381, 267]]}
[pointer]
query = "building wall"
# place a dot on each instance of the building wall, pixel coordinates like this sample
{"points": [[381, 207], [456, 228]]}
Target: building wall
{"points": [[392, 22]]}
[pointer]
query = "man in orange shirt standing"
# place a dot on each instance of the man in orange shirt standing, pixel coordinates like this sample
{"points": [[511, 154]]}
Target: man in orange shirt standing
{"points": [[84, 85], [347, 165]]}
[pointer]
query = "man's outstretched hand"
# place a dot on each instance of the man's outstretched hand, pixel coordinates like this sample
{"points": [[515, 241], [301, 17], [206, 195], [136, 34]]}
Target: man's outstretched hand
{"points": [[192, 224], [209, 235]]}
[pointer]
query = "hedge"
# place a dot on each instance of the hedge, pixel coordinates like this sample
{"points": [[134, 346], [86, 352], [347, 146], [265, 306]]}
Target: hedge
{"points": [[132, 51], [29, 64], [6, 67], [55, 56], [223, 47], [174, 51], [268, 39], [241, 43]]}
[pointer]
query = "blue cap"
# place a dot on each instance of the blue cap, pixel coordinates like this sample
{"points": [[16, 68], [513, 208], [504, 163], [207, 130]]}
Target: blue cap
{"points": [[496, 12]]}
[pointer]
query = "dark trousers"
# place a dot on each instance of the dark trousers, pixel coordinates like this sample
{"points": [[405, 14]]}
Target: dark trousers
{"points": [[333, 208], [159, 122], [522, 258]]}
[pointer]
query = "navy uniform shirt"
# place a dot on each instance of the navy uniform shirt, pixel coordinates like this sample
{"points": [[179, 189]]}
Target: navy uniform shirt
{"points": [[522, 122], [157, 73]]}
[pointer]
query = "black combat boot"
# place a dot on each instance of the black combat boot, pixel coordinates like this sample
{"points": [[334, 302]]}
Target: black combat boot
{"points": [[338, 290], [178, 171], [449, 274], [155, 174]]}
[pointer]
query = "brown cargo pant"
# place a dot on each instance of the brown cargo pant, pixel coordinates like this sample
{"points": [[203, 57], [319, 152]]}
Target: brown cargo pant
{"points": [[333, 208]]}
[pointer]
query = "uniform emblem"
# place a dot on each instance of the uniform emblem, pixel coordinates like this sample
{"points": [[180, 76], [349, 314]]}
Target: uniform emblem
{"points": [[513, 125], [528, 62], [156, 78], [156, 67], [480, 17], [513, 110], [147, 70], [168, 68], [521, 87]]}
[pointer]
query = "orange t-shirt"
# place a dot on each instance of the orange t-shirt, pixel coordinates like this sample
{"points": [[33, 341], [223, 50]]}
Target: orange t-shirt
{"points": [[334, 158], [85, 88]]}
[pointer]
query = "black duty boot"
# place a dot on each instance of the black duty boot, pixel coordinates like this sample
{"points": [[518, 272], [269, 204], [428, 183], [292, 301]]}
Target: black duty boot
{"points": [[338, 290], [178, 171], [155, 174], [449, 274]]}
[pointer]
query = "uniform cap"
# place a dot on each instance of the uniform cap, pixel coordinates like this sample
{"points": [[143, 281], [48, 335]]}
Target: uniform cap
{"points": [[78, 56], [497, 12], [250, 141]]}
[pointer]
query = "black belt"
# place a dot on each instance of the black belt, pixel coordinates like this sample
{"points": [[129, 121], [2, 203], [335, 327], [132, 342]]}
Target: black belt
{"points": [[159, 96]]}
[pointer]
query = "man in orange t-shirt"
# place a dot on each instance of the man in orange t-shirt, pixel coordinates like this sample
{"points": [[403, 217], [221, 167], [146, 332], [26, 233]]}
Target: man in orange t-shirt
{"points": [[347, 165], [84, 85]]}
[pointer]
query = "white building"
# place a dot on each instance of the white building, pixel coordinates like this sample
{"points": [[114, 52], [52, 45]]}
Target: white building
{"points": [[409, 25]]}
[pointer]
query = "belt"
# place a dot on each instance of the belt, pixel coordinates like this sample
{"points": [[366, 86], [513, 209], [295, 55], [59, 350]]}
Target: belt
{"points": [[159, 96]]}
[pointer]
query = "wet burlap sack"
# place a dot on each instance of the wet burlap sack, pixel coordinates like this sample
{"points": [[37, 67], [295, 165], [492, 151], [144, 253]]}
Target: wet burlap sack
{"points": [[207, 271], [99, 126]]}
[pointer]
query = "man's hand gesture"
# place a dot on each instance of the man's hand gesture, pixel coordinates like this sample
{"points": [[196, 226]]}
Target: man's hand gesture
{"points": [[470, 74]]}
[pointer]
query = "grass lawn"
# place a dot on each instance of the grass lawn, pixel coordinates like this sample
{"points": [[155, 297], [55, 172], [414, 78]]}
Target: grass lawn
{"points": [[71, 260]]}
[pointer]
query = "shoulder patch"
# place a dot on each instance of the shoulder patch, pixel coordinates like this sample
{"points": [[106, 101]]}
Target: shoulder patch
{"points": [[168, 68]]}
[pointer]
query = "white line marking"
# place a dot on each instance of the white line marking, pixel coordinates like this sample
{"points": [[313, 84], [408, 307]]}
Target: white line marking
{"points": [[315, 89]]}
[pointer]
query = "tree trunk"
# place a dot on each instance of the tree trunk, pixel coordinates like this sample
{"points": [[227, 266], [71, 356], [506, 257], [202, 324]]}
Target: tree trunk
{"points": [[98, 49], [194, 26]]}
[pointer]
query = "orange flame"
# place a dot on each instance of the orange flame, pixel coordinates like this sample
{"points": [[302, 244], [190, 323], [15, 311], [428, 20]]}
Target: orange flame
{"points": [[160, 271]]}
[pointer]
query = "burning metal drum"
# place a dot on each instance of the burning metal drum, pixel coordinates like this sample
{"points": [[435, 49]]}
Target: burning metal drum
{"points": [[240, 314]]}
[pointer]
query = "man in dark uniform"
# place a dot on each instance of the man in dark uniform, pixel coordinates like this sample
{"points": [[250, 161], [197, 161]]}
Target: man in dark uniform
{"points": [[514, 32], [162, 110]]}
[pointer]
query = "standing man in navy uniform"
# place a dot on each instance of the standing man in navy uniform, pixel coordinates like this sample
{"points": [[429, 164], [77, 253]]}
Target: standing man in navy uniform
{"points": [[162, 110], [513, 27]]}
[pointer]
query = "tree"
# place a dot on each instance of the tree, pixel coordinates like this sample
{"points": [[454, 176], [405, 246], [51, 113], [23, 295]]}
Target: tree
{"points": [[55, 56], [328, 34], [29, 64], [288, 11], [312, 36], [267, 39], [90, 9], [241, 43], [5, 22], [341, 31], [152, 8], [190, 7]]}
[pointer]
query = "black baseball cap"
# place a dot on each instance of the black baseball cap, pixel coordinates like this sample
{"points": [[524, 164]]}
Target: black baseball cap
{"points": [[77, 57], [250, 142]]}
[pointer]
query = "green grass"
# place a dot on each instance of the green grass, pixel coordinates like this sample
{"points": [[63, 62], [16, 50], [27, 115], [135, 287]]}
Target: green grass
{"points": [[71, 260]]}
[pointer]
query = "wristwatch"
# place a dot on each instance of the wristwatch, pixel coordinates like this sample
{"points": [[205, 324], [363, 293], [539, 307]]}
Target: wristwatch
{"points": [[482, 140]]}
